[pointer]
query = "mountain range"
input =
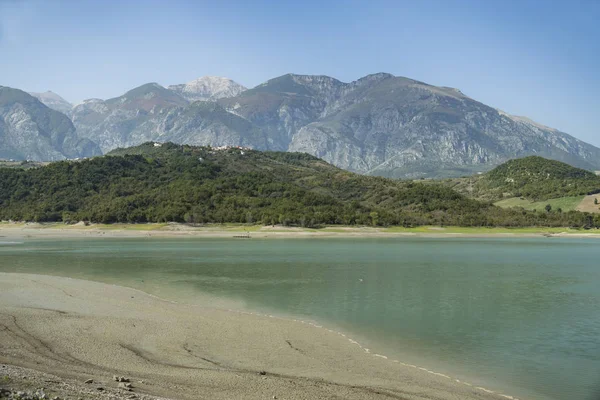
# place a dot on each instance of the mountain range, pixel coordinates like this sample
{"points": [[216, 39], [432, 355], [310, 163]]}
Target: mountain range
{"points": [[29, 130], [379, 125]]}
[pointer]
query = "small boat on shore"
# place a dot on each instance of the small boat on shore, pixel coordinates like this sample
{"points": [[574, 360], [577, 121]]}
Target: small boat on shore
{"points": [[246, 235]]}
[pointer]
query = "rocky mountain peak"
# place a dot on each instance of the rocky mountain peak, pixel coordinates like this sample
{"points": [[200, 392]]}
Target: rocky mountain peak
{"points": [[31, 130], [54, 101], [314, 79], [144, 90], [318, 86], [208, 88], [376, 77], [147, 97]]}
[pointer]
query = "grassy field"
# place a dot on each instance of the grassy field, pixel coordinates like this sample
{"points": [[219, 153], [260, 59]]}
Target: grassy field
{"points": [[589, 204], [564, 203]]}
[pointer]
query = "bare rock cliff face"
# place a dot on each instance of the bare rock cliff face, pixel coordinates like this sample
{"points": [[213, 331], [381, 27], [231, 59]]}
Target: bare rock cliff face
{"points": [[127, 120], [54, 101], [29, 130], [153, 113], [379, 124], [398, 127], [208, 88]]}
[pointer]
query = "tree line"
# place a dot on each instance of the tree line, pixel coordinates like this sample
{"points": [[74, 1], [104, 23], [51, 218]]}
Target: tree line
{"points": [[179, 183]]}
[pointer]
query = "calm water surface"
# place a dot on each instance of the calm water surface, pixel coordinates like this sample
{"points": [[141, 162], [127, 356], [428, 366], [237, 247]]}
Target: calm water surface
{"points": [[521, 316]]}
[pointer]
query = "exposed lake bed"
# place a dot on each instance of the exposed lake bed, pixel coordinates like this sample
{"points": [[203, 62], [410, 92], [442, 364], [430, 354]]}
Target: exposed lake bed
{"points": [[515, 316], [32, 230]]}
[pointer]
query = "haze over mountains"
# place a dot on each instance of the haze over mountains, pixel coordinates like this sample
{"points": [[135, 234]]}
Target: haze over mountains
{"points": [[208, 88], [31, 131], [54, 101], [379, 124]]}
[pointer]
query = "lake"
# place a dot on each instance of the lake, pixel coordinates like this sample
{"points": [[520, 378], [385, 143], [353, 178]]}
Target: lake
{"points": [[518, 315]]}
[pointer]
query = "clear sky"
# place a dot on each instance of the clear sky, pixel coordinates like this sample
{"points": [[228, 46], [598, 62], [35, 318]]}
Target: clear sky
{"points": [[538, 58]]}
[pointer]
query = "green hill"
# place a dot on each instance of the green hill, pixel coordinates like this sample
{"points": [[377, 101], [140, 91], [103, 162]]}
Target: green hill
{"points": [[531, 178], [152, 183]]}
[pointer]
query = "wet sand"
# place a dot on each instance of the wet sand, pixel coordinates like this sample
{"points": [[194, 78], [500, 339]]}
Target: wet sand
{"points": [[81, 330]]}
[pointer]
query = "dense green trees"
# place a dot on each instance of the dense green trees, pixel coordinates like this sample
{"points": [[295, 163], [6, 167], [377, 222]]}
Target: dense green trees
{"points": [[203, 185], [534, 178]]}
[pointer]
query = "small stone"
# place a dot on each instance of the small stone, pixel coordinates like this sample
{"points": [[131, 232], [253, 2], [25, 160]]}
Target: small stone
{"points": [[263, 372], [100, 388], [274, 397], [116, 378], [89, 381]]}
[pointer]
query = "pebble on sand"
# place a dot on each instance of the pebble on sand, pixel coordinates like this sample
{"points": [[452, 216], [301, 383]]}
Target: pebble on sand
{"points": [[125, 385]]}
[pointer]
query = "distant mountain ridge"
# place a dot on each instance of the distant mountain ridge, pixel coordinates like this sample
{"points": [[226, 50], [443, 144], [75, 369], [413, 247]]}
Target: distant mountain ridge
{"points": [[29, 130], [152, 112], [54, 101], [208, 88], [397, 127], [380, 124]]}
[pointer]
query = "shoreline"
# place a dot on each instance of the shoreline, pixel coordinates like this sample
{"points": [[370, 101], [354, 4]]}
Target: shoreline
{"points": [[13, 230], [82, 330]]}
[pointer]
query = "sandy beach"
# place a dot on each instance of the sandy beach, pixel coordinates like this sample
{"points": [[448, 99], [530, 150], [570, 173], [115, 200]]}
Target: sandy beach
{"points": [[59, 230], [79, 330]]}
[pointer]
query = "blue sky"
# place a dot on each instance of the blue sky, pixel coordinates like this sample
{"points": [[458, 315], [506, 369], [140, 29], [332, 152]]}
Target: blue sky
{"points": [[534, 58]]}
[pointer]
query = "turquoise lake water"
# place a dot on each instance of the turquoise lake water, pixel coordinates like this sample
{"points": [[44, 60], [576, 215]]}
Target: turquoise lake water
{"points": [[521, 316]]}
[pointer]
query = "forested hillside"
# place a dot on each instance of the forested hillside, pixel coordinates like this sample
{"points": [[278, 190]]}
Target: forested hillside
{"points": [[533, 178], [158, 183]]}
